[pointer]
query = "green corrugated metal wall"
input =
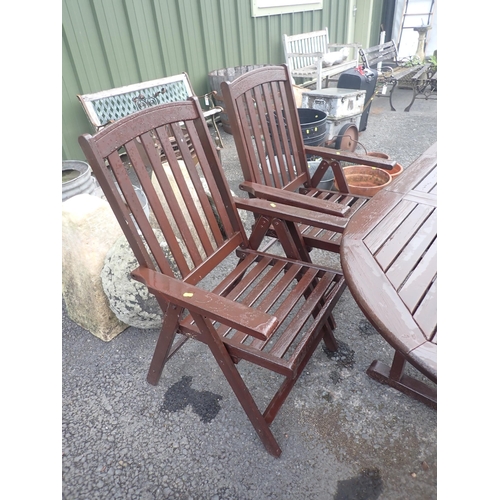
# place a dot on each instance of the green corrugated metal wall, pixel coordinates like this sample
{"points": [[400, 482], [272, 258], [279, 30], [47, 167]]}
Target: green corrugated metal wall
{"points": [[110, 43]]}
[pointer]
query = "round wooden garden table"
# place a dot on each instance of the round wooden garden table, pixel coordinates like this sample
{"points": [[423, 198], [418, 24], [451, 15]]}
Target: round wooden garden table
{"points": [[389, 258]]}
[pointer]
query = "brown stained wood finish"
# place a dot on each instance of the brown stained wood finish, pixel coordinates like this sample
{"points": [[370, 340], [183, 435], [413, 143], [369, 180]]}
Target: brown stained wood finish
{"points": [[265, 124], [389, 257], [266, 310]]}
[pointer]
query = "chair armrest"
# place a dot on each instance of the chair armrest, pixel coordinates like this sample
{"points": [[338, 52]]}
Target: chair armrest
{"points": [[305, 54], [250, 321], [356, 46], [295, 199], [340, 155], [291, 213], [213, 111]]}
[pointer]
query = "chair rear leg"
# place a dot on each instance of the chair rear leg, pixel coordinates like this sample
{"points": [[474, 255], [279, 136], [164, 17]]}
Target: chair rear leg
{"points": [[163, 349], [238, 385], [288, 384], [328, 336]]}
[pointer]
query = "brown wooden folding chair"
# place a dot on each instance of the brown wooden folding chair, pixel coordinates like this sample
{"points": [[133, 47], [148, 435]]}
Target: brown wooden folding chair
{"points": [[209, 278], [265, 125]]}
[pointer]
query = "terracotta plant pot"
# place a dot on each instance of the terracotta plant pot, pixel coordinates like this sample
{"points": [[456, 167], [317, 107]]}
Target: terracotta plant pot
{"points": [[394, 171], [365, 181]]}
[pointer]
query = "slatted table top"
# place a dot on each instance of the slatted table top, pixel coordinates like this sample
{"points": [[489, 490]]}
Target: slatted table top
{"points": [[389, 258]]}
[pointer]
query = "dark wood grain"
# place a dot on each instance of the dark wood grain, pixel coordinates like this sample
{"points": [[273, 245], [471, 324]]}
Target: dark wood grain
{"points": [[208, 276], [389, 258], [267, 133]]}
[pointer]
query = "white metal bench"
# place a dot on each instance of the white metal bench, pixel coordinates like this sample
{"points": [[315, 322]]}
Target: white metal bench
{"points": [[107, 106], [306, 56]]}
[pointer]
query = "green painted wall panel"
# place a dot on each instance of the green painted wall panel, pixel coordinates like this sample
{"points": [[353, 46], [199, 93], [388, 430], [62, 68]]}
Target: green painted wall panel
{"points": [[74, 122], [82, 38], [368, 17], [376, 20], [171, 43], [212, 42], [144, 36], [116, 41], [111, 43]]}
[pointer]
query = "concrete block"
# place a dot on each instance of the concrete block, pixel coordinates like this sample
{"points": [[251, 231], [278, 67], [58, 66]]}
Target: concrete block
{"points": [[129, 299], [89, 229]]}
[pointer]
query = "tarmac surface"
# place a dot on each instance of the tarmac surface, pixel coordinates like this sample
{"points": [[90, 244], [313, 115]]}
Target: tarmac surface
{"points": [[343, 435]]}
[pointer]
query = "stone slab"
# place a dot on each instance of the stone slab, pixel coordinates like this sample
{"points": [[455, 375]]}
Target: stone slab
{"points": [[89, 229]]}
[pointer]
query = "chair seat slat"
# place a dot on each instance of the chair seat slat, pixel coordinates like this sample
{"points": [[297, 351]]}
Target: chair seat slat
{"points": [[296, 325]]}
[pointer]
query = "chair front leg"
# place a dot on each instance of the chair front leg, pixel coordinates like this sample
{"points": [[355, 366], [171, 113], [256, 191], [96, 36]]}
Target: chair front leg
{"points": [[340, 179], [238, 385], [164, 350], [328, 336]]}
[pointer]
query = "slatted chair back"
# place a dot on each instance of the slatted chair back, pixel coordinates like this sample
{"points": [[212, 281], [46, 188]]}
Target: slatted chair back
{"points": [[267, 132], [307, 44], [307, 54], [194, 256], [386, 52], [269, 137], [190, 214]]}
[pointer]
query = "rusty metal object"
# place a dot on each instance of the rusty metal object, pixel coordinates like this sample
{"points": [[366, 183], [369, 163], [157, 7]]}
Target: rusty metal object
{"points": [[347, 140]]}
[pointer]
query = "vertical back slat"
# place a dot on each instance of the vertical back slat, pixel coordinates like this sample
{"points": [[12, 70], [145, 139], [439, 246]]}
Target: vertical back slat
{"points": [[107, 178], [154, 156], [285, 160], [186, 206], [181, 200], [134, 205], [255, 132], [175, 214], [295, 133], [223, 221], [266, 115], [204, 221]]}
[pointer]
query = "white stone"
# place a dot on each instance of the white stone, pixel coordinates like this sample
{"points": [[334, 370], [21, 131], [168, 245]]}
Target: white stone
{"points": [[89, 229], [129, 299]]}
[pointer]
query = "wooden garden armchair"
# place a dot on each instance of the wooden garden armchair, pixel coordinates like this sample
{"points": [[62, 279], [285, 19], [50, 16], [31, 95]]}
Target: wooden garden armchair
{"points": [[265, 124], [267, 310]]}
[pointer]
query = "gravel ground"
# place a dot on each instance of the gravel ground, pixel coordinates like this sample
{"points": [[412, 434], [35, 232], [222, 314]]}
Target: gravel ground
{"points": [[343, 435]]}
